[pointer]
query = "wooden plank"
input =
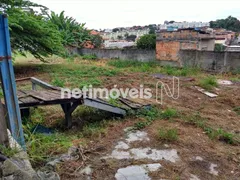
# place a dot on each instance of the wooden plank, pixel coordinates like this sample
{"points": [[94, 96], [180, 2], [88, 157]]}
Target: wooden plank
{"points": [[53, 95], [29, 99], [66, 94], [104, 106], [23, 79], [38, 95], [21, 93], [43, 84]]}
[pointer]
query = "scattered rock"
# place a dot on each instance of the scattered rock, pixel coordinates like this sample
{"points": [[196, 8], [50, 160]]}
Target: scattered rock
{"points": [[136, 172], [87, 171], [119, 155], [137, 136], [199, 158], [212, 169], [122, 145], [193, 177], [146, 153], [224, 82], [127, 129], [169, 155]]}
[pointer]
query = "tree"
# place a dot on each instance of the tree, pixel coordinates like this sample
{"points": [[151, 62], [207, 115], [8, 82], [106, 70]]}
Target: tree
{"points": [[147, 42], [31, 32], [115, 30], [219, 47], [73, 33], [230, 23], [119, 37], [131, 38], [97, 41], [151, 31]]}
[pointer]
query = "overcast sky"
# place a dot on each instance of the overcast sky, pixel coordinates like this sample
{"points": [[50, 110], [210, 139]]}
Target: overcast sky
{"points": [[122, 13]]}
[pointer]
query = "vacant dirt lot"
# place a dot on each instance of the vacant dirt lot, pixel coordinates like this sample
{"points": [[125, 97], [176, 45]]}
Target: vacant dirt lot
{"points": [[205, 131]]}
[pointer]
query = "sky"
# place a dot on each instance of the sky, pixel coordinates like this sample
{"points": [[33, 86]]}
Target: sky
{"points": [[103, 14]]}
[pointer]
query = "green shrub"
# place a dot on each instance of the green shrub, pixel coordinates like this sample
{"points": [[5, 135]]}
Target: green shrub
{"points": [[89, 56], [147, 42], [169, 113], [150, 114], [219, 47], [141, 125], [237, 110], [185, 71], [208, 83], [58, 82], [168, 134]]}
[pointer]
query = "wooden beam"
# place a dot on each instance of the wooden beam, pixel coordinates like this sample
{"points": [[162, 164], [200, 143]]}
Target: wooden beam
{"points": [[42, 84], [104, 106]]}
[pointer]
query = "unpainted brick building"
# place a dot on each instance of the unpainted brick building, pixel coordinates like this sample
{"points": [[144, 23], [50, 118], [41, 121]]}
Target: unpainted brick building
{"points": [[169, 44]]}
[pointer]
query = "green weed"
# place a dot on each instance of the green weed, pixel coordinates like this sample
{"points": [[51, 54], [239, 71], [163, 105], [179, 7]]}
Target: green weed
{"points": [[89, 56], [208, 83], [134, 66], [185, 71], [168, 134], [169, 113], [58, 82], [219, 134], [195, 119], [91, 81], [237, 110], [8, 152], [95, 130], [41, 147], [149, 115]]}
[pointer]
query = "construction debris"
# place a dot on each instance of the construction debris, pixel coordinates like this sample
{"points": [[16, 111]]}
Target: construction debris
{"points": [[224, 82], [211, 95]]}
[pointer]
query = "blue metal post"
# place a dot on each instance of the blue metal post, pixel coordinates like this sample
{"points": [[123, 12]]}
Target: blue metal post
{"points": [[8, 83]]}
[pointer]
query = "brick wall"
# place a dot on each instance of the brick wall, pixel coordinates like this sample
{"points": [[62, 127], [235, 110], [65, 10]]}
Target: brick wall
{"points": [[167, 50]]}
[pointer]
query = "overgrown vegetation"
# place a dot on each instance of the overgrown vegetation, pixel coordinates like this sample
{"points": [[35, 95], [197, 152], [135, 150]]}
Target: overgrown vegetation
{"points": [[168, 134], [73, 34], [230, 23], [43, 34], [208, 82], [58, 82], [185, 71], [219, 133], [147, 42], [31, 32], [76, 75], [219, 47], [89, 56], [149, 115], [237, 110], [169, 113], [41, 147], [153, 114], [153, 67]]}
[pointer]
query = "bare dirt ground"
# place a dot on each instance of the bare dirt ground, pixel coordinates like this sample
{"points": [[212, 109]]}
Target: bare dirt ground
{"points": [[199, 157]]}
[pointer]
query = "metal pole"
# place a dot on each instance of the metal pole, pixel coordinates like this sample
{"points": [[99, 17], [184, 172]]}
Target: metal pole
{"points": [[8, 83]]}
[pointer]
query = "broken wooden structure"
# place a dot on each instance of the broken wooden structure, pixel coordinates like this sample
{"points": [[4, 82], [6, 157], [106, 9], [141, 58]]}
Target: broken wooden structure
{"points": [[51, 95]]}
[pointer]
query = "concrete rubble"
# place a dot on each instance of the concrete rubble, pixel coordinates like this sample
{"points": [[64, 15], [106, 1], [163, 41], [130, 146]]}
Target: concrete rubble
{"points": [[137, 172], [19, 167]]}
